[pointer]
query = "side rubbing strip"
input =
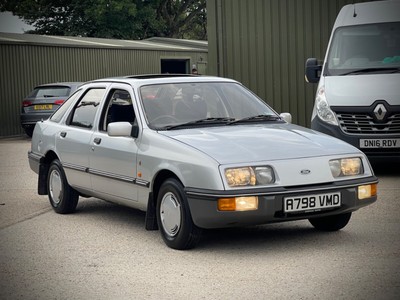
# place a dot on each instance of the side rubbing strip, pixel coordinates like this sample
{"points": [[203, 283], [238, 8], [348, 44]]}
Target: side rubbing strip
{"points": [[128, 179], [74, 167], [142, 182]]}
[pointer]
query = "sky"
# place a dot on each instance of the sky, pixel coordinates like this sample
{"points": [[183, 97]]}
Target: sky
{"points": [[12, 24]]}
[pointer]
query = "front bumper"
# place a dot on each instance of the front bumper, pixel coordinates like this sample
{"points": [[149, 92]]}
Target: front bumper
{"points": [[205, 214], [382, 154]]}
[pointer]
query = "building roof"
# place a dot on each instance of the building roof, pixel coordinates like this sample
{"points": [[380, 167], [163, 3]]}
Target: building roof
{"points": [[166, 44]]}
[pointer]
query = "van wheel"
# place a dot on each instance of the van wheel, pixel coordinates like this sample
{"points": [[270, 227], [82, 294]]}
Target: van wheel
{"points": [[331, 223], [173, 216], [63, 198]]}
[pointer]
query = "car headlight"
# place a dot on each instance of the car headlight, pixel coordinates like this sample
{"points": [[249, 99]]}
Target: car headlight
{"points": [[346, 167], [249, 176], [322, 108]]}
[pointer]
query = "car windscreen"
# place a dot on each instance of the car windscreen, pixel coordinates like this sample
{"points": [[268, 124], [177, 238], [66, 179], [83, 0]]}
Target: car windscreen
{"points": [[361, 49], [45, 92], [199, 103]]}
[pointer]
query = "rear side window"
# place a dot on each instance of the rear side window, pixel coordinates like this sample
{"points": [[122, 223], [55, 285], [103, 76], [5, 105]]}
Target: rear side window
{"points": [[85, 112], [56, 117], [45, 92]]}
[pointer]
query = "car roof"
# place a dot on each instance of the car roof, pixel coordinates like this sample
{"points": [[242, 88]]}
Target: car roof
{"points": [[146, 79]]}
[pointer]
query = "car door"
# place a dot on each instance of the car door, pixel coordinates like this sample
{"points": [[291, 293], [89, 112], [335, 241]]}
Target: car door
{"points": [[73, 140], [112, 159]]}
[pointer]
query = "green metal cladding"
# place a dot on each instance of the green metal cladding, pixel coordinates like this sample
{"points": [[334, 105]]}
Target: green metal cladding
{"points": [[265, 43], [27, 60]]}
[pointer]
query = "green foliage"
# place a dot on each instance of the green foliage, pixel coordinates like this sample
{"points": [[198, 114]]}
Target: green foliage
{"points": [[120, 19]]}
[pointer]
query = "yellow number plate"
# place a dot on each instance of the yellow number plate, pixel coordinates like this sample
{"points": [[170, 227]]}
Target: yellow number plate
{"points": [[43, 106]]}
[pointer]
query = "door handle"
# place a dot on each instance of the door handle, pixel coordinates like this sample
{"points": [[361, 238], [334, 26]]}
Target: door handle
{"points": [[63, 134], [97, 140]]}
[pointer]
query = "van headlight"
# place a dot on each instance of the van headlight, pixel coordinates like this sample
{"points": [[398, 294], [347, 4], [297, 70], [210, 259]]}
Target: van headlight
{"points": [[346, 167], [249, 176], [322, 108]]}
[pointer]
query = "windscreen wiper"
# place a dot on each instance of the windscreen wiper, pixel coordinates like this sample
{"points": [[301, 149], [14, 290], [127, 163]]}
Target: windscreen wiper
{"points": [[208, 121], [257, 118], [372, 70]]}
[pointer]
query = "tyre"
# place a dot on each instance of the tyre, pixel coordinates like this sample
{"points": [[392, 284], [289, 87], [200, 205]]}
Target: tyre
{"points": [[29, 130], [173, 216], [331, 223], [63, 198]]}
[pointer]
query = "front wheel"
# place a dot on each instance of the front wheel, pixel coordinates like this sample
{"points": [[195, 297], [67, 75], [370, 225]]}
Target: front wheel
{"points": [[63, 198], [331, 223], [173, 216]]}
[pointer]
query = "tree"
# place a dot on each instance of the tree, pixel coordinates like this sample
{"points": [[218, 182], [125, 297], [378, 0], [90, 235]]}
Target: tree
{"points": [[183, 18], [120, 19]]}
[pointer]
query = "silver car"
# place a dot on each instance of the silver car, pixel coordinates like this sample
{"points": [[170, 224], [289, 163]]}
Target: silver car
{"points": [[195, 152]]}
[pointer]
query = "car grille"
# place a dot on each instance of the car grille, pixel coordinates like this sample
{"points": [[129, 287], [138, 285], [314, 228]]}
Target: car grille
{"points": [[363, 123]]}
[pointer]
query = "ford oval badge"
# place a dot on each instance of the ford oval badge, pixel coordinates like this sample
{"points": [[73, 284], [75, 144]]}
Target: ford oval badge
{"points": [[305, 172]]}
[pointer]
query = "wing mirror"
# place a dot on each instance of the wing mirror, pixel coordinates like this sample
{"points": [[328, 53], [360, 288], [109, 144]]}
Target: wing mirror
{"points": [[287, 117], [123, 129], [313, 70]]}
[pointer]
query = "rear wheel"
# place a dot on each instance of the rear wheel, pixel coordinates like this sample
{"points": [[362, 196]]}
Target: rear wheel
{"points": [[173, 216], [63, 198], [331, 223], [29, 130]]}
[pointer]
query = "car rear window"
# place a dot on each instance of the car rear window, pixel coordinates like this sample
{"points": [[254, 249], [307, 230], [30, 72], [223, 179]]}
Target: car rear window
{"points": [[44, 92]]}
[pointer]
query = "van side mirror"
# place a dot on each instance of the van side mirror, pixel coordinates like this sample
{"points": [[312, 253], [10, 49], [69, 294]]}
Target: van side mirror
{"points": [[313, 70]]}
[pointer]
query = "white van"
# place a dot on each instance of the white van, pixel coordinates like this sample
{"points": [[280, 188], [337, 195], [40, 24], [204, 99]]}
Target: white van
{"points": [[358, 95]]}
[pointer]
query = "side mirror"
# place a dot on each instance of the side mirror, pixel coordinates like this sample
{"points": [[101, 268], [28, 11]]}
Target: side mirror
{"points": [[287, 117], [313, 70], [119, 129]]}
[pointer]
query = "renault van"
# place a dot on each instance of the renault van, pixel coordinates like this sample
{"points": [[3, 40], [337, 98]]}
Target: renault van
{"points": [[358, 94]]}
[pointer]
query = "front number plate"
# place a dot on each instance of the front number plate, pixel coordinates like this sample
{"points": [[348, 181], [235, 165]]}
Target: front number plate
{"points": [[310, 203], [379, 143]]}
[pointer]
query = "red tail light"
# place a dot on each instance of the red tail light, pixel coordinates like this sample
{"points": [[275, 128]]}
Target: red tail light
{"points": [[59, 102], [26, 103]]}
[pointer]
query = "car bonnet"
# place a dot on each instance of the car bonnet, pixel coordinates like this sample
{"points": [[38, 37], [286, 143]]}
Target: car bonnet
{"points": [[259, 142]]}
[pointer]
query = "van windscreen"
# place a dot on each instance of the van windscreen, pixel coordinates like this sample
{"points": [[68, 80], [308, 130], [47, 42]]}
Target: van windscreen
{"points": [[369, 48]]}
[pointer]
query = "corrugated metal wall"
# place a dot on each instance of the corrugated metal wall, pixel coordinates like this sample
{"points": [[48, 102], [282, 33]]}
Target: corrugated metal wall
{"points": [[25, 66], [265, 43]]}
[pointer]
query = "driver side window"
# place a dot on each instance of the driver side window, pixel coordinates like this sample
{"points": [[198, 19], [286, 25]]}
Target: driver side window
{"points": [[118, 108]]}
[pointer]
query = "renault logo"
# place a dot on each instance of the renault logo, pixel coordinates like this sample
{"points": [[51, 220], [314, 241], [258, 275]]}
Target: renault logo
{"points": [[380, 112]]}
